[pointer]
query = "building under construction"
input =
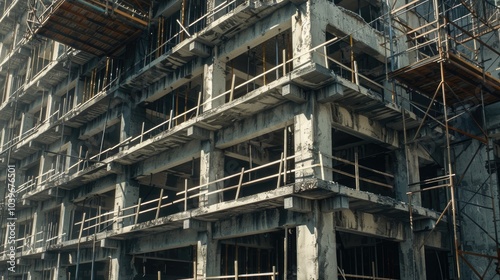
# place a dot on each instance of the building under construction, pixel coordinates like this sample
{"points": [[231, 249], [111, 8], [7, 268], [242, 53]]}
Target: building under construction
{"points": [[249, 139]]}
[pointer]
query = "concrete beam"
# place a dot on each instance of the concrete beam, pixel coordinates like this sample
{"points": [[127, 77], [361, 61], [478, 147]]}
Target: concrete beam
{"points": [[258, 33], [262, 123], [114, 167], [168, 159], [199, 49], [297, 204], [109, 243], [256, 223], [195, 225], [293, 93], [368, 224], [163, 241], [363, 127], [336, 203], [198, 133], [171, 82], [342, 23], [107, 119]]}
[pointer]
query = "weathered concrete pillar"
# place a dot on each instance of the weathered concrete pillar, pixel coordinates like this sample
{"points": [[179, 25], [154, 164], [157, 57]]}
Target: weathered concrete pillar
{"points": [[51, 105], [67, 209], [312, 135], [120, 265], [316, 247], [126, 194], [78, 98], [3, 134], [131, 121], [211, 169], [38, 224], [8, 87], [478, 186], [412, 256], [208, 254], [308, 32], [214, 82], [406, 173], [59, 270], [42, 168], [27, 122]]}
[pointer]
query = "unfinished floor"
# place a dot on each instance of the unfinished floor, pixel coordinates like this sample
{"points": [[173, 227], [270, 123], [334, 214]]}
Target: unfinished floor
{"points": [[283, 139]]}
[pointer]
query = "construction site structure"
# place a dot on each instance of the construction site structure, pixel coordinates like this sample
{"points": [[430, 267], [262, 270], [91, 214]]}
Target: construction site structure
{"points": [[249, 139]]}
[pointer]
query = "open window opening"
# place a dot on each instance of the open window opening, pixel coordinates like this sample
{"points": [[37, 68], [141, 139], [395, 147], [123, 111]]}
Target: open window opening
{"points": [[38, 109], [360, 164], [25, 233], [159, 192], [167, 264], [437, 266], [50, 228], [101, 78], [41, 55], [173, 108], [361, 256], [168, 31], [99, 214], [67, 101], [254, 68], [102, 271], [434, 199], [18, 82], [99, 147], [349, 60], [370, 11], [258, 165], [253, 254]]}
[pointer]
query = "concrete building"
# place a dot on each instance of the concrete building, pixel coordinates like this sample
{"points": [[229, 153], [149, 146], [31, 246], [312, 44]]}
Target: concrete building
{"points": [[255, 139]]}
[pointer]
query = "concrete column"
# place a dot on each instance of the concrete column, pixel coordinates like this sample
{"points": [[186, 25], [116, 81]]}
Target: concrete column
{"points": [[211, 169], [131, 121], [308, 32], [51, 105], [214, 83], [41, 169], [27, 122], [208, 255], [316, 247], [407, 172], [3, 134], [479, 182], [65, 225], [412, 256], [16, 34], [60, 272], [55, 51], [120, 265], [38, 223], [78, 97], [8, 87], [126, 194], [313, 134]]}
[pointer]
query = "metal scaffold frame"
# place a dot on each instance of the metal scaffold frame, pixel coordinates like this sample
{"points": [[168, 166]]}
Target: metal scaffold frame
{"points": [[443, 37]]}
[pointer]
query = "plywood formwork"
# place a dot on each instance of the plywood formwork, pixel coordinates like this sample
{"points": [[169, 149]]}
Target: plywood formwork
{"points": [[96, 27], [465, 79]]}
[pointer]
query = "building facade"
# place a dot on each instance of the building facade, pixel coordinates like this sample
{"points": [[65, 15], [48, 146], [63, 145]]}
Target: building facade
{"points": [[266, 139]]}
